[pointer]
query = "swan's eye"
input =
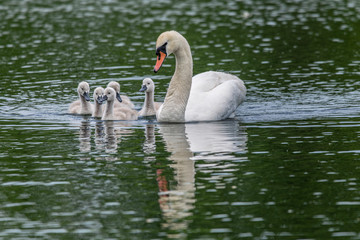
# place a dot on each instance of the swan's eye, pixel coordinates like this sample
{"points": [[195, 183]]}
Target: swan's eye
{"points": [[148, 83], [161, 49]]}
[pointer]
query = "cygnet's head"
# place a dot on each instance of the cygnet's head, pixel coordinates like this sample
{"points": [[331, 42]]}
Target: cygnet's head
{"points": [[147, 85], [99, 95], [116, 87], [110, 94], [83, 90]]}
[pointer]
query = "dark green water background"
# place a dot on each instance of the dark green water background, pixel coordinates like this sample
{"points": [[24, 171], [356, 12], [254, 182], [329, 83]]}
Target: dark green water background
{"points": [[288, 166]]}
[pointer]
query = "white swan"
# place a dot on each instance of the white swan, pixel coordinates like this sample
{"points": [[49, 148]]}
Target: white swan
{"points": [[150, 107], [124, 100], [98, 101], [120, 113], [208, 96], [82, 105]]}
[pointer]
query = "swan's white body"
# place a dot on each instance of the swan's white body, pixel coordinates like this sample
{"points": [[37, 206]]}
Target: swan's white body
{"points": [[150, 107], [125, 99], [209, 96], [82, 106], [98, 100], [214, 96], [120, 113]]}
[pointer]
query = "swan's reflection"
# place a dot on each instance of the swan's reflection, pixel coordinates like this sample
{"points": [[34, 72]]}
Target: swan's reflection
{"points": [[213, 138], [176, 203], [213, 141]]}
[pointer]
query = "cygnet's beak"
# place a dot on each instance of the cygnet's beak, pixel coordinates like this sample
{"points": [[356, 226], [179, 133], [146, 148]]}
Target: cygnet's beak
{"points": [[86, 96], [143, 88], [118, 97], [104, 98], [100, 99], [159, 60]]}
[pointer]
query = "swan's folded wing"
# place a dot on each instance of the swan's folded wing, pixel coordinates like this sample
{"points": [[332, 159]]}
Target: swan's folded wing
{"points": [[216, 104], [206, 81]]}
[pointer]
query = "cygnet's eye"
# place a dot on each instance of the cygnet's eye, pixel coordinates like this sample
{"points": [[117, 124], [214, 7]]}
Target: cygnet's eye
{"points": [[148, 83]]}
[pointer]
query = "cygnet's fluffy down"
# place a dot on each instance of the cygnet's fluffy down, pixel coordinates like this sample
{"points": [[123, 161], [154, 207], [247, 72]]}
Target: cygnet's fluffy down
{"points": [[98, 102], [119, 113], [122, 99], [82, 105], [150, 107]]}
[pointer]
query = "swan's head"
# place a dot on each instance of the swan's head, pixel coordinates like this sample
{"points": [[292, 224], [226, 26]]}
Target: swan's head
{"points": [[116, 87], [166, 44], [83, 90], [147, 85], [99, 95], [109, 94]]}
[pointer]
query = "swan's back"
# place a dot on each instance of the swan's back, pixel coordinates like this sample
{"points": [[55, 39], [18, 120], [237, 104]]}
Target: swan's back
{"points": [[206, 81], [125, 99], [214, 96], [125, 113], [73, 106]]}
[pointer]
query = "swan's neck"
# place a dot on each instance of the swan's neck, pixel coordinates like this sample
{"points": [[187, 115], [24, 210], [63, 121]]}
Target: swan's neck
{"points": [[98, 109], [179, 89], [109, 109], [149, 107], [85, 105]]}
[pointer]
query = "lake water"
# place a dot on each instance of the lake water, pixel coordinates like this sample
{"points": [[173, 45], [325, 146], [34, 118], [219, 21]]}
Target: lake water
{"points": [[287, 167]]}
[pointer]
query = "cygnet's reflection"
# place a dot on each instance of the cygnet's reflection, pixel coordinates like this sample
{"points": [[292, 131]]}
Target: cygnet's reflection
{"points": [[114, 131], [85, 135], [187, 143], [107, 136], [99, 135], [111, 137], [149, 144]]}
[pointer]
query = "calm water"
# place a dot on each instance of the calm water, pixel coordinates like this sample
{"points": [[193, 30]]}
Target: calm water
{"points": [[288, 166]]}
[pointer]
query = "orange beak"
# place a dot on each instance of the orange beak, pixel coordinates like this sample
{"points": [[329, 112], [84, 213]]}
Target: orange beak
{"points": [[159, 61]]}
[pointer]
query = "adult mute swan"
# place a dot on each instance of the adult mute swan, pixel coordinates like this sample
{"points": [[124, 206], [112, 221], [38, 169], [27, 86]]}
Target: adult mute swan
{"points": [[98, 101], [150, 107], [208, 96], [120, 113], [82, 105], [122, 99]]}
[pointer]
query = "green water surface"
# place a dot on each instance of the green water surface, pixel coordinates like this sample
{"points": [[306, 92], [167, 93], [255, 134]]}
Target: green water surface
{"points": [[287, 167]]}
